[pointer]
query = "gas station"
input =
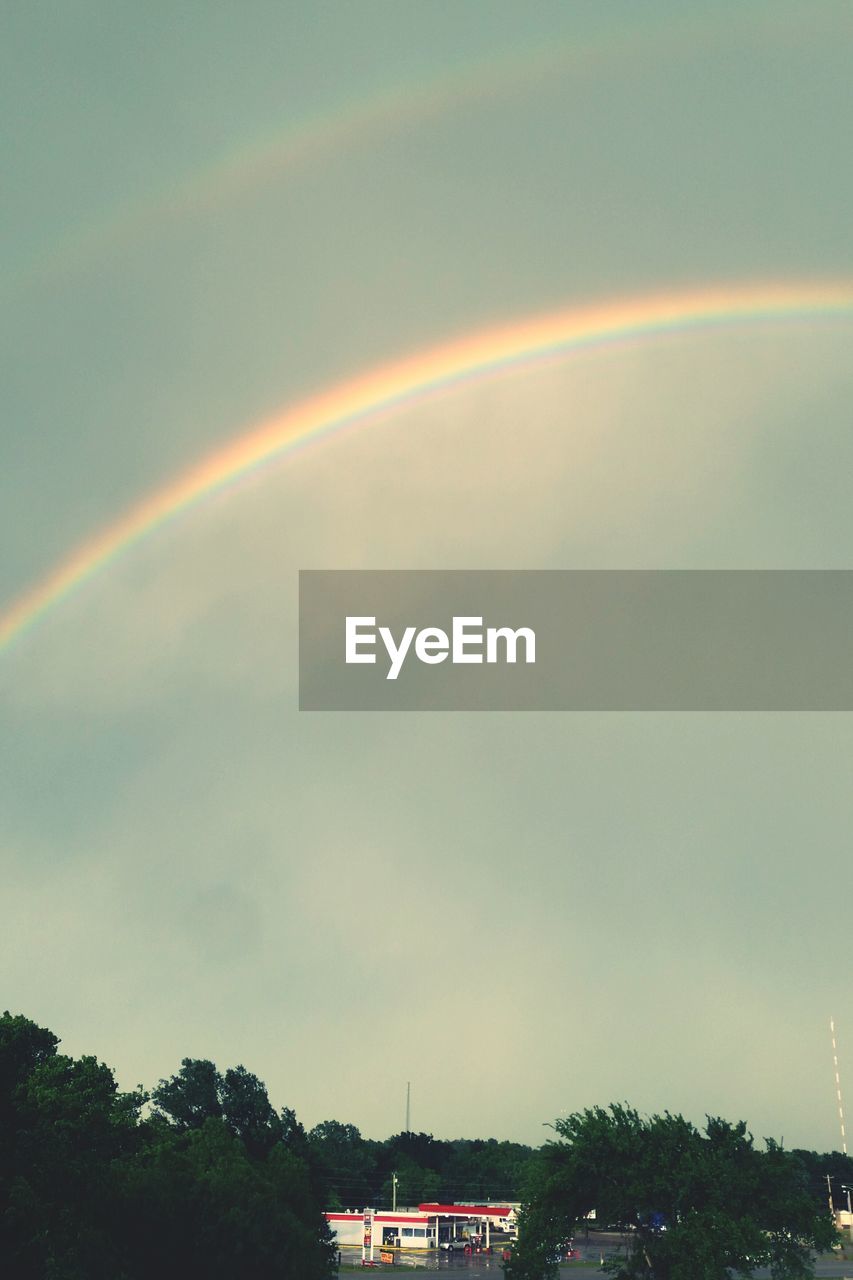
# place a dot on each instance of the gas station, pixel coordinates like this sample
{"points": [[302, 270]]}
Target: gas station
{"points": [[474, 1222], [466, 1227]]}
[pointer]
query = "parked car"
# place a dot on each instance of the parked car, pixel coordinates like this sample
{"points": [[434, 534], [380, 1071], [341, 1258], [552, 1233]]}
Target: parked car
{"points": [[455, 1246]]}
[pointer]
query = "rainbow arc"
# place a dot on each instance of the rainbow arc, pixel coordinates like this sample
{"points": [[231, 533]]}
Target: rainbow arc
{"points": [[373, 395]]}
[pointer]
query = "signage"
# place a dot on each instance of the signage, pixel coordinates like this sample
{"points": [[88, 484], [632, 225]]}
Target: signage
{"points": [[367, 1240]]}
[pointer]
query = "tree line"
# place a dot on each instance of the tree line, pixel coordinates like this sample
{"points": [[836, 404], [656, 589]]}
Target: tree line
{"points": [[359, 1171], [202, 1176]]}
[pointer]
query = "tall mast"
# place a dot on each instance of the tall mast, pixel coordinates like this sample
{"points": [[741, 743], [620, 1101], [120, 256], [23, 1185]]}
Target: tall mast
{"points": [[838, 1086]]}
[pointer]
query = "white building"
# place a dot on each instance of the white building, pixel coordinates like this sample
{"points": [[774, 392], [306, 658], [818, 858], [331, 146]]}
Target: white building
{"points": [[426, 1227], [402, 1229]]}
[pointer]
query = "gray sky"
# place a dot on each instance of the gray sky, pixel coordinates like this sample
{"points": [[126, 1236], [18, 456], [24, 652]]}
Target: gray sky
{"points": [[213, 209]]}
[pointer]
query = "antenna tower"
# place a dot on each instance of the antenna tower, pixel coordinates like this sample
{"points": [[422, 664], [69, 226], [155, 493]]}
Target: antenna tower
{"points": [[838, 1086]]}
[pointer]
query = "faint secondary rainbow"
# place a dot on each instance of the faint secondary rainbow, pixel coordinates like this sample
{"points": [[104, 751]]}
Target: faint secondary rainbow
{"points": [[386, 110], [413, 379]]}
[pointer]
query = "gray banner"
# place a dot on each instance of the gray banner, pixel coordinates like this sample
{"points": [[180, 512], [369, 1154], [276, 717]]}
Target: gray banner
{"points": [[581, 640]]}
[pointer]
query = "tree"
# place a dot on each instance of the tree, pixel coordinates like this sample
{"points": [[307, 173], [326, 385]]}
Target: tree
{"points": [[196, 1204], [64, 1126], [248, 1111], [192, 1096], [23, 1046], [487, 1170], [213, 1183], [835, 1166], [199, 1093], [698, 1205], [346, 1163]]}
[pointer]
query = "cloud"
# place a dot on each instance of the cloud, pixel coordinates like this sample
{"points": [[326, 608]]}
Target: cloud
{"points": [[634, 457], [293, 891]]}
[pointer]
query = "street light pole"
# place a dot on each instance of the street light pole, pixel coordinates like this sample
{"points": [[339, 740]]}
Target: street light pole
{"points": [[394, 1193]]}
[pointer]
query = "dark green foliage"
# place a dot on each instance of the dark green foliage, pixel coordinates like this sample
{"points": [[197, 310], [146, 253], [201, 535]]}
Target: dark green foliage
{"points": [[192, 1096], [208, 1208], [488, 1169], [346, 1163], [359, 1172], [834, 1165], [64, 1126], [697, 1206], [214, 1184], [248, 1112], [199, 1093]]}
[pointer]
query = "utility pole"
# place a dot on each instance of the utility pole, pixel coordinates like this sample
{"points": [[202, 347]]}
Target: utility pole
{"points": [[394, 1181], [829, 1193], [408, 1105]]}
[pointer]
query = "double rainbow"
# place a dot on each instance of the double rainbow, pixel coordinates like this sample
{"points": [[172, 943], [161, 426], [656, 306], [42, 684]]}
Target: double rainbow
{"points": [[414, 378]]}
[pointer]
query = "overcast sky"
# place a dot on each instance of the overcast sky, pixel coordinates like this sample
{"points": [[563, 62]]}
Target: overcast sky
{"points": [[212, 209]]}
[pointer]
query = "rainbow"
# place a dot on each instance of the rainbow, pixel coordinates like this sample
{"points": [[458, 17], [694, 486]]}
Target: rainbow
{"points": [[385, 111], [415, 378], [388, 109]]}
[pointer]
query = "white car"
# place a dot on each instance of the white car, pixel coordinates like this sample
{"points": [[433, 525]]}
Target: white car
{"points": [[455, 1246]]}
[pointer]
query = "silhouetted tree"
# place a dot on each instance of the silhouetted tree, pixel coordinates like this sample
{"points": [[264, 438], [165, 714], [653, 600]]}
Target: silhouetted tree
{"points": [[213, 1184], [699, 1205]]}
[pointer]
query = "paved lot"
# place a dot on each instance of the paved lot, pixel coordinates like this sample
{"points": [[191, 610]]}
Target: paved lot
{"points": [[490, 1267]]}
